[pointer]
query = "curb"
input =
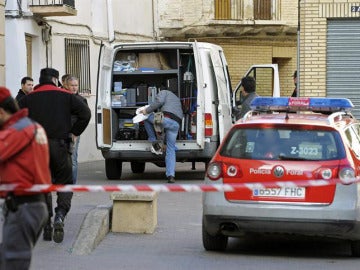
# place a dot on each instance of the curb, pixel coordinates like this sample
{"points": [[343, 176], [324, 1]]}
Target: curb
{"points": [[93, 230]]}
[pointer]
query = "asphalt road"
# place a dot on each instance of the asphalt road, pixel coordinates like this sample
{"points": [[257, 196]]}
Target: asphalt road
{"points": [[176, 242]]}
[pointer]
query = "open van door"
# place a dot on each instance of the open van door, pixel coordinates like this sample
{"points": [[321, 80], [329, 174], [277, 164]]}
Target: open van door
{"points": [[200, 120], [267, 82], [224, 90], [103, 98]]}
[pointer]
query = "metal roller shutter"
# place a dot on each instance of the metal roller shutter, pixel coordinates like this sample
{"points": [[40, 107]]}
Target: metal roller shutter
{"points": [[343, 61]]}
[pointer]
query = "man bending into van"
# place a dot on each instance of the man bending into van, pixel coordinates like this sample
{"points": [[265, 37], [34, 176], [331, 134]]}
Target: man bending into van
{"points": [[169, 104]]}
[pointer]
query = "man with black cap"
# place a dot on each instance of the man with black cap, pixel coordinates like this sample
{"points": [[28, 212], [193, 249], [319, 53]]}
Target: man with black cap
{"points": [[24, 161], [53, 107]]}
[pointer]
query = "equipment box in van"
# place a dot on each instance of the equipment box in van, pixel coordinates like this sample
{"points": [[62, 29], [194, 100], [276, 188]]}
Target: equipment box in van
{"points": [[130, 75]]}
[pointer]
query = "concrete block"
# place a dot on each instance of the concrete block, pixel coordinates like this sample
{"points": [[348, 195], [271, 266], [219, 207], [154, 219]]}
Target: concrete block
{"points": [[134, 212], [93, 230]]}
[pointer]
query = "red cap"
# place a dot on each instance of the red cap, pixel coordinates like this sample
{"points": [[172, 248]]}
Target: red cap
{"points": [[4, 93]]}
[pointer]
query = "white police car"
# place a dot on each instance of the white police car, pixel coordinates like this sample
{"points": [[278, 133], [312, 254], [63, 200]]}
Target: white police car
{"points": [[295, 164]]}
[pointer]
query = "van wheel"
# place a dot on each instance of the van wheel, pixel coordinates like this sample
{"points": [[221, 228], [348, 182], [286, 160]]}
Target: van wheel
{"points": [[137, 167], [355, 248], [215, 243], [113, 169]]}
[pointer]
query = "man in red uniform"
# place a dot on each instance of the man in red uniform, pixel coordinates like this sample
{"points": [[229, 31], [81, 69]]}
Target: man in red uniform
{"points": [[24, 161]]}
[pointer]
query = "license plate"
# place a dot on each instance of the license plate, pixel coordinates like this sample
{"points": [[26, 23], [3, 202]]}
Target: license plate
{"points": [[284, 192]]}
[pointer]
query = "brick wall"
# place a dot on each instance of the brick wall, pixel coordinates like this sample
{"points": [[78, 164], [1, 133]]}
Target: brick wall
{"points": [[241, 54]]}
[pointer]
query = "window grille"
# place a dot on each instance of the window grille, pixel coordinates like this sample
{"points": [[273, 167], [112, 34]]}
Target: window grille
{"points": [[77, 62]]}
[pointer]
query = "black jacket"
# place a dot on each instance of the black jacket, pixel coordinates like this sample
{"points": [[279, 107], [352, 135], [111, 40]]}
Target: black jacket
{"points": [[20, 94], [52, 107]]}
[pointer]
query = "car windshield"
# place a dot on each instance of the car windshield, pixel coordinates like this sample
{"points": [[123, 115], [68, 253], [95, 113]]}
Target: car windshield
{"points": [[283, 144]]}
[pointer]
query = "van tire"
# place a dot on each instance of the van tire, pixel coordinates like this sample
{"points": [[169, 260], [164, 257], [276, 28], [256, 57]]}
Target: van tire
{"points": [[355, 248], [137, 167], [113, 168]]}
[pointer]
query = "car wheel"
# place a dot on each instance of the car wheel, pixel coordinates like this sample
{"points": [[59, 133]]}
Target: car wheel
{"points": [[355, 248], [113, 169], [216, 243], [137, 167]]}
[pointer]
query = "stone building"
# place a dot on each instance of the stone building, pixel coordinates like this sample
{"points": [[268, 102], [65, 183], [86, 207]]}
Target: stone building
{"points": [[250, 31]]}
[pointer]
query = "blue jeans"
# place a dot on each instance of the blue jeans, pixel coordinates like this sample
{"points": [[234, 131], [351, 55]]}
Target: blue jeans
{"points": [[171, 128], [74, 159]]}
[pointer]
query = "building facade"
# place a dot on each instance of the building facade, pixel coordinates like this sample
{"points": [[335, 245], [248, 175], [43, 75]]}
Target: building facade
{"points": [[330, 49], [66, 35], [250, 31]]}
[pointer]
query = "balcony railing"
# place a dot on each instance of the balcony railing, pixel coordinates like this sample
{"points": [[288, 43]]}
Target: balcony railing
{"points": [[235, 10], [47, 8]]}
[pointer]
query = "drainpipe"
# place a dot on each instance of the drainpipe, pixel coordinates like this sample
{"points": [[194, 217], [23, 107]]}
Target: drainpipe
{"points": [[153, 20], [298, 53], [110, 21]]}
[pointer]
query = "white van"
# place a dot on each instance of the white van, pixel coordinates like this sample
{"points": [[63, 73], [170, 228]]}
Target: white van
{"points": [[129, 76]]}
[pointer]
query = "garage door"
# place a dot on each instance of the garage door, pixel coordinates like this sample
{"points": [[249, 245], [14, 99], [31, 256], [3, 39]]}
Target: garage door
{"points": [[343, 61]]}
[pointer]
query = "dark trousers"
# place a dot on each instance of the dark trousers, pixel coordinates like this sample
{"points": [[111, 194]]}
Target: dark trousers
{"points": [[61, 172], [21, 230]]}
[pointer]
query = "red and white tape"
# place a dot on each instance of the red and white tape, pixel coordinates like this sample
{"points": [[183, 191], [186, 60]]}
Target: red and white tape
{"points": [[172, 187]]}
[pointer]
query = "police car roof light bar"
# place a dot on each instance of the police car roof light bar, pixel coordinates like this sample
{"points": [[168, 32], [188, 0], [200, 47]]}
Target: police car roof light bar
{"points": [[301, 104]]}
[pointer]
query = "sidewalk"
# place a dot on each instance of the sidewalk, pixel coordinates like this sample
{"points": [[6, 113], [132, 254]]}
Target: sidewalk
{"points": [[175, 212]]}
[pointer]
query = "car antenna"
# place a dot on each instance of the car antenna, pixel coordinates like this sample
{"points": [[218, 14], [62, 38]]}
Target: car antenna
{"points": [[287, 115]]}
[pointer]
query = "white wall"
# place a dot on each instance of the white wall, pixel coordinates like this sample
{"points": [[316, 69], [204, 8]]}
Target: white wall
{"points": [[16, 27], [130, 23]]}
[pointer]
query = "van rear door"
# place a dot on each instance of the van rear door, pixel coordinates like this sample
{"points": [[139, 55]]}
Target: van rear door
{"points": [[103, 98], [200, 121], [224, 91], [267, 82]]}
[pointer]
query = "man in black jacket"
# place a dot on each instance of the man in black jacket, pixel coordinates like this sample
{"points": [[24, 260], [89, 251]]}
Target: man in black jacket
{"points": [[27, 84], [52, 107]]}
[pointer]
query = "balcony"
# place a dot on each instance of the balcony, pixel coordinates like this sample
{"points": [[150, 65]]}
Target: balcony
{"points": [[46, 8]]}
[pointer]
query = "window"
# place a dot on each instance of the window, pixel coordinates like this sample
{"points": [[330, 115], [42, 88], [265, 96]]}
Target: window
{"points": [[77, 62], [283, 144], [247, 9], [262, 9], [28, 40]]}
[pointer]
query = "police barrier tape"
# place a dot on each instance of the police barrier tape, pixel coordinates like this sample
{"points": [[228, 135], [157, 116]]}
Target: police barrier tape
{"points": [[173, 187]]}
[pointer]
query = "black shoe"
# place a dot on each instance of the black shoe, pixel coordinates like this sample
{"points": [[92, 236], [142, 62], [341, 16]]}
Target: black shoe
{"points": [[48, 232], [58, 228], [171, 179], [156, 148]]}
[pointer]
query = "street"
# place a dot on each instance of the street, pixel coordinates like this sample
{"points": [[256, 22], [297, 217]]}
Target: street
{"points": [[177, 241]]}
